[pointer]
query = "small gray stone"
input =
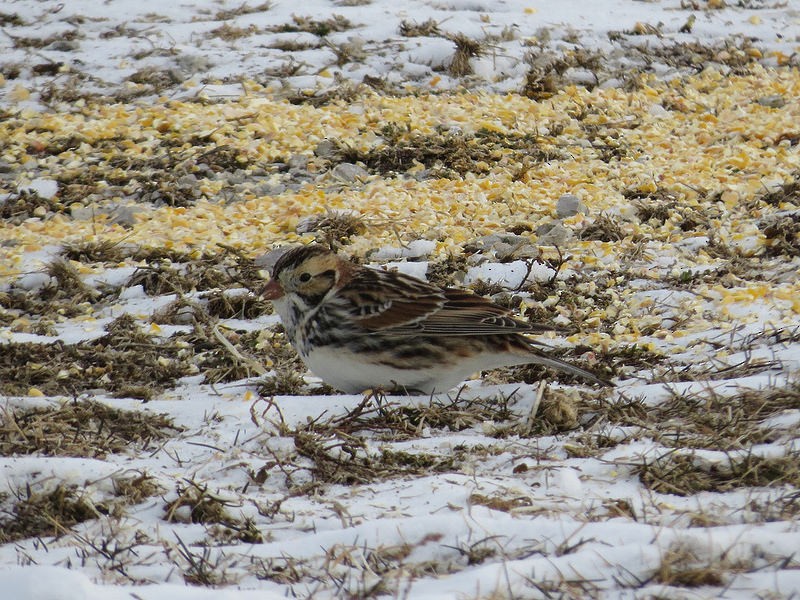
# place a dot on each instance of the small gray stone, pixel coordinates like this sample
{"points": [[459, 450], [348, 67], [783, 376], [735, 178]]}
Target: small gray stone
{"points": [[297, 161], [325, 149], [82, 213], [63, 46], [553, 234], [489, 241], [569, 205], [772, 101], [270, 189], [503, 246], [125, 215], [187, 180], [349, 173]]}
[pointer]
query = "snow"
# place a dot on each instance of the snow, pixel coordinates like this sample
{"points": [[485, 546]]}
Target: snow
{"points": [[180, 38], [45, 188]]}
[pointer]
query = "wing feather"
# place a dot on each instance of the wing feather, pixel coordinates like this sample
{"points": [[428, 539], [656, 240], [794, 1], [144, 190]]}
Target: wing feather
{"points": [[396, 304]]}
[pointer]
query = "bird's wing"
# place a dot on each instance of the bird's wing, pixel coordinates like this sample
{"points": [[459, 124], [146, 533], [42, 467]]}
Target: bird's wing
{"points": [[396, 304]]}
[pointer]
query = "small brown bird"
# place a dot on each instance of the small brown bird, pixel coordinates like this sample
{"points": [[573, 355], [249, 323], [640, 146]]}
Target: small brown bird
{"points": [[359, 328]]}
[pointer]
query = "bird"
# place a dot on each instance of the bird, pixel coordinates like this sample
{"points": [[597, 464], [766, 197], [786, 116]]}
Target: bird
{"points": [[359, 328]]}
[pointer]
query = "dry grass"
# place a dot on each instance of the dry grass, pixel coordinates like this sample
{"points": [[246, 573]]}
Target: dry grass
{"points": [[789, 192], [685, 474], [341, 449], [43, 514], [604, 228], [334, 229], [714, 421], [783, 235], [136, 486], [319, 27], [196, 504], [86, 428], [682, 567], [243, 9], [344, 459], [230, 33], [429, 28], [449, 155], [125, 361], [466, 48]]}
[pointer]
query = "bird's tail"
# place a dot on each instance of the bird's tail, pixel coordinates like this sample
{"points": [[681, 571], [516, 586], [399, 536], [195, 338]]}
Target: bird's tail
{"points": [[554, 363]]}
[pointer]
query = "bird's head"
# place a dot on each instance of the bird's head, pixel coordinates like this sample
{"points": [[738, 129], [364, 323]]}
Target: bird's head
{"points": [[308, 272]]}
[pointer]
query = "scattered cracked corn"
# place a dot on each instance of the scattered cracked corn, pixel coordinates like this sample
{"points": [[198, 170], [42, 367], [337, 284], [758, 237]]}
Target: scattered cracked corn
{"points": [[690, 148]]}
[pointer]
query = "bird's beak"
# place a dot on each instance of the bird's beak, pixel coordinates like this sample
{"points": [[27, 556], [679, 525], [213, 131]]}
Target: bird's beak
{"points": [[272, 291]]}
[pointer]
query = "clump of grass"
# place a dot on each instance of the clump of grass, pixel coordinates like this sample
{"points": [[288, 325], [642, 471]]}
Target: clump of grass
{"points": [[466, 48], [33, 42], [319, 27], [203, 507], [97, 251], [158, 79], [407, 421], [18, 207], [124, 359], [344, 459], [181, 311], [500, 502], [653, 207], [243, 9], [782, 235], [201, 565], [720, 422], [685, 474], [208, 272], [87, 429], [546, 72], [288, 45], [11, 19], [449, 155], [235, 306], [158, 280], [604, 228], [445, 272], [333, 228], [428, 28], [682, 567], [230, 33], [789, 192], [225, 355], [46, 513], [283, 382], [135, 487], [733, 52], [196, 504], [287, 368], [69, 282]]}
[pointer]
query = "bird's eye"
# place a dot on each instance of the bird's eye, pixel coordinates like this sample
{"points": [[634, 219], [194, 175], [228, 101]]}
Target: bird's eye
{"points": [[305, 277]]}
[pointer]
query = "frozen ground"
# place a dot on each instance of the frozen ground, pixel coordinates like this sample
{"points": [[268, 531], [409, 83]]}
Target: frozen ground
{"points": [[133, 49], [160, 442]]}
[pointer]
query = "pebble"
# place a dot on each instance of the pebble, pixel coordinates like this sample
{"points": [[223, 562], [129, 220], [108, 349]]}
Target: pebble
{"points": [[569, 205], [553, 234], [349, 173], [772, 101], [125, 215], [298, 161], [325, 149]]}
